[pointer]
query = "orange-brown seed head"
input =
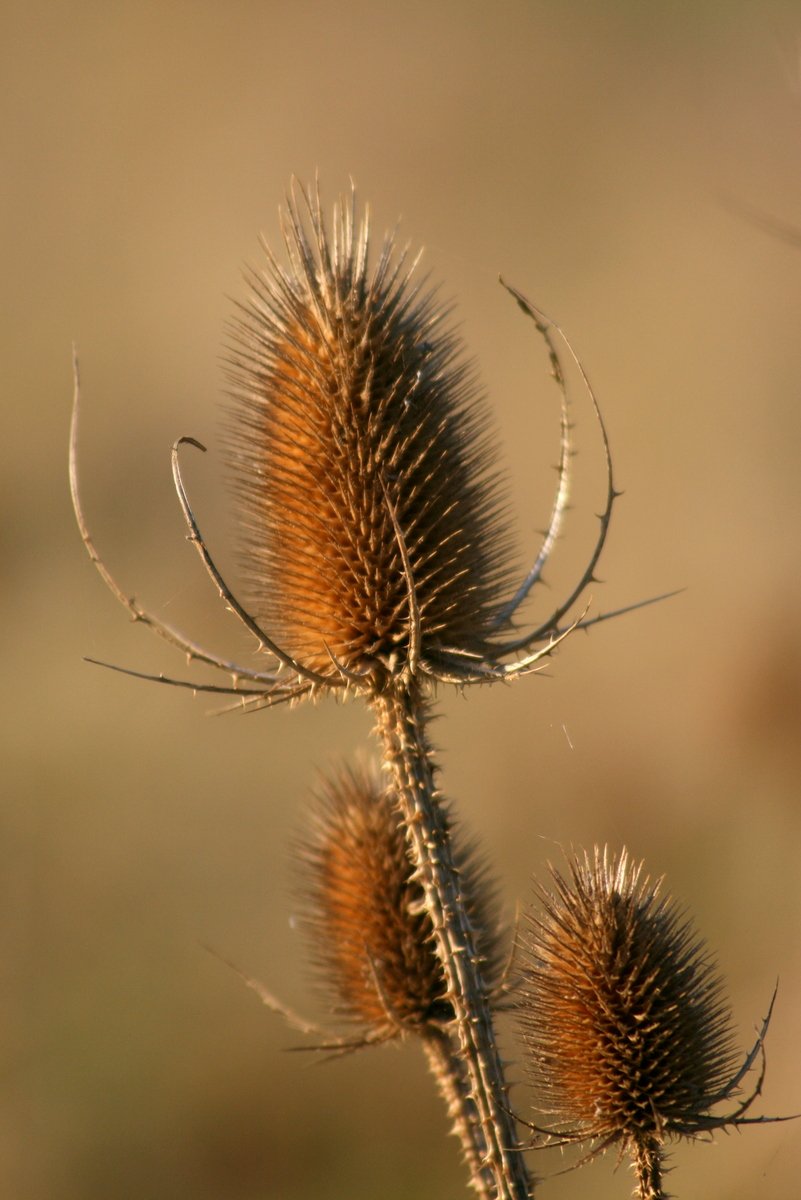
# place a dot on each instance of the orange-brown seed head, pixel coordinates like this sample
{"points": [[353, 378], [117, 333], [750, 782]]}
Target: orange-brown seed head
{"points": [[628, 1031], [372, 942], [357, 440]]}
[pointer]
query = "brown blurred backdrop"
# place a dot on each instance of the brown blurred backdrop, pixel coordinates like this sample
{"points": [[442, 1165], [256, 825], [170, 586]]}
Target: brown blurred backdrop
{"points": [[600, 156]]}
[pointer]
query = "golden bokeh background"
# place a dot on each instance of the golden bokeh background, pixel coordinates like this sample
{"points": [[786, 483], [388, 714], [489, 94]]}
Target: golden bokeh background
{"points": [[615, 162]]}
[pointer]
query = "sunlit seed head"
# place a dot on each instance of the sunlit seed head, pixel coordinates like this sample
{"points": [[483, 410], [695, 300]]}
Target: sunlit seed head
{"points": [[371, 940], [352, 401], [625, 1020]]}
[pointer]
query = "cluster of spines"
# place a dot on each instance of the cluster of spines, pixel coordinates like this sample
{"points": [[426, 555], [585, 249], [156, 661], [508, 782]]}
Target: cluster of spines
{"points": [[371, 938], [625, 1020], [359, 457]]}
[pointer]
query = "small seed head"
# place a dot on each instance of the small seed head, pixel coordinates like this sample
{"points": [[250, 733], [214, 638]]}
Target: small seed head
{"points": [[372, 940], [627, 1027]]}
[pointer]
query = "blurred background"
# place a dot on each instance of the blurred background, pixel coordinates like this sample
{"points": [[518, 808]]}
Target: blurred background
{"points": [[619, 164]]}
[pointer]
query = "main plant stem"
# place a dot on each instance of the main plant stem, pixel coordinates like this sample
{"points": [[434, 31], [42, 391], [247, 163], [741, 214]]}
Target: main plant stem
{"points": [[484, 1122], [647, 1155]]}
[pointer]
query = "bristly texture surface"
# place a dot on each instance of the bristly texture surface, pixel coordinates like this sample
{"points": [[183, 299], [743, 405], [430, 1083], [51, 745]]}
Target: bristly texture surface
{"points": [[357, 444], [371, 938], [628, 1030]]}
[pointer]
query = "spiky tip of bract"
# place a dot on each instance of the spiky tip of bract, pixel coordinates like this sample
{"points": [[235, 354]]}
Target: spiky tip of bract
{"points": [[627, 1027], [358, 448], [371, 939]]}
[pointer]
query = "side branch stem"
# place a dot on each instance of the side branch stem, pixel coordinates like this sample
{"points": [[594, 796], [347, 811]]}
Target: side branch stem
{"points": [[484, 1123], [445, 1064]]}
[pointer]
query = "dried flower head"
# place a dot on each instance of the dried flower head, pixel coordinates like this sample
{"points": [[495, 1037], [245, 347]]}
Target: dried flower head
{"points": [[360, 459], [370, 512], [371, 937], [624, 1016]]}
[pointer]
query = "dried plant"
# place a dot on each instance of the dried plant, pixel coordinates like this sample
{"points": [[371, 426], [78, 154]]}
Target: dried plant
{"points": [[625, 1019], [370, 513], [376, 563]]}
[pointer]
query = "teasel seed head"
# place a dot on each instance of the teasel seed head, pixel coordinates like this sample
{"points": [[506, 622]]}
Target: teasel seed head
{"points": [[361, 466], [372, 942], [624, 1016], [371, 518]]}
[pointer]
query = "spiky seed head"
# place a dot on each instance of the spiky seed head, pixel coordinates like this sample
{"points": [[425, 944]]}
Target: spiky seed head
{"points": [[372, 941], [626, 1023], [357, 439]]}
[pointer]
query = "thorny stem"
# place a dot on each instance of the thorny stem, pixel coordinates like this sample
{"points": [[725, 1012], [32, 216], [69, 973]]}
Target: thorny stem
{"points": [[484, 1123], [647, 1157], [448, 1070]]}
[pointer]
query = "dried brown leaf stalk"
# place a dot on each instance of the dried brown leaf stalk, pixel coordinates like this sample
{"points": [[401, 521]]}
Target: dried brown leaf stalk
{"points": [[376, 562]]}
